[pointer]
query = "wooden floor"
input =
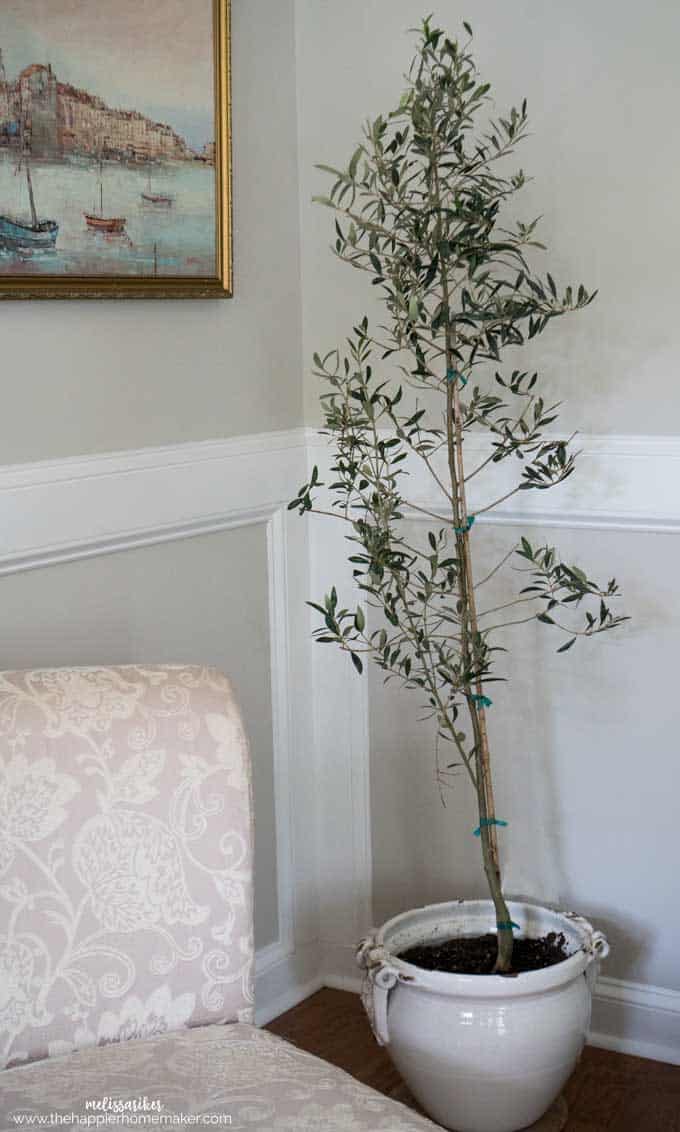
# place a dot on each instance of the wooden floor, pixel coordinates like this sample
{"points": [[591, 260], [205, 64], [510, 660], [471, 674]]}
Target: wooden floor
{"points": [[609, 1092]]}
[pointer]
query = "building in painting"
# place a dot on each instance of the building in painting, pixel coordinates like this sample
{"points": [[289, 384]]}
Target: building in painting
{"points": [[54, 119], [4, 100], [4, 103], [38, 110], [86, 125]]}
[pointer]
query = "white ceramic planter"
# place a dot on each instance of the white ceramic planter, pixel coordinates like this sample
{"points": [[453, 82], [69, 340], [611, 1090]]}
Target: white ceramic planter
{"points": [[481, 1053]]}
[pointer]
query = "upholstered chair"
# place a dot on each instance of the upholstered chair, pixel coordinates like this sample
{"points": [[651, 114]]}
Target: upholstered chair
{"points": [[126, 917]]}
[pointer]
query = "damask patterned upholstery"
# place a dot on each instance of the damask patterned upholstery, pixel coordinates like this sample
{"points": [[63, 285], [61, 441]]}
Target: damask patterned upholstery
{"points": [[258, 1081], [125, 854], [126, 912]]}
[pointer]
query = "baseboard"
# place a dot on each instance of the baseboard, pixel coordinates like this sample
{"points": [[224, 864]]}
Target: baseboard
{"points": [[636, 1018], [285, 983], [289, 998], [647, 1050], [339, 966], [351, 983]]}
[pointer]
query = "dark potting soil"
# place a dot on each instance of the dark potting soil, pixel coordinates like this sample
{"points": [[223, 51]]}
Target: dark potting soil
{"points": [[476, 955]]}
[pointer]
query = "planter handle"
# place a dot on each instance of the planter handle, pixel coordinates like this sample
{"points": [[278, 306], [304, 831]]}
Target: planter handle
{"points": [[599, 946], [596, 946], [595, 949], [379, 980]]}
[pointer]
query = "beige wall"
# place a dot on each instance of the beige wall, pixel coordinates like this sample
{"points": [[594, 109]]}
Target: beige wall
{"points": [[83, 378], [602, 84]]}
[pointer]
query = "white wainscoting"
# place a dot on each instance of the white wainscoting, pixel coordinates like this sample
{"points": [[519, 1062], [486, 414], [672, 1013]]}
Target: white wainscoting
{"points": [[629, 484], [65, 510]]}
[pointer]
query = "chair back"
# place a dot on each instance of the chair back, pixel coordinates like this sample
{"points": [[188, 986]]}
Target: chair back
{"points": [[126, 841]]}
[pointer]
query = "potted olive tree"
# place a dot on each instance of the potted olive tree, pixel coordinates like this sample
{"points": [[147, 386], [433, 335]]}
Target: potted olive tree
{"points": [[484, 1004]]}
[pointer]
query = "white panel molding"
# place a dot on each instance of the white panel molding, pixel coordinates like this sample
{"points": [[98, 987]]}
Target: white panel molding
{"points": [[62, 510], [282, 701], [67, 510], [624, 483], [341, 727]]}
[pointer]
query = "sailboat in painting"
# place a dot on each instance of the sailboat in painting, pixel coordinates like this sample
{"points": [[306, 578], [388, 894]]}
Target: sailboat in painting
{"points": [[17, 235], [101, 223], [162, 200]]}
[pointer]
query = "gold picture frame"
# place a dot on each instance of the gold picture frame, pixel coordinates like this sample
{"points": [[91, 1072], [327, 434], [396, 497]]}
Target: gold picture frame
{"points": [[26, 286]]}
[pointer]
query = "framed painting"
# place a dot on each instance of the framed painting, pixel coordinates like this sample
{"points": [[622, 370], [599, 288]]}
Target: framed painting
{"points": [[115, 149]]}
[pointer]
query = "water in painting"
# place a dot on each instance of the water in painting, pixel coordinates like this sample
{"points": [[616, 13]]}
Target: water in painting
{"points": [[107, 154]]}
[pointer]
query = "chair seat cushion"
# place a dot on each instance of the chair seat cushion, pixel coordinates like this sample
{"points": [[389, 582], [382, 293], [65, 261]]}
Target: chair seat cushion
{"points": [[251, 1078]]}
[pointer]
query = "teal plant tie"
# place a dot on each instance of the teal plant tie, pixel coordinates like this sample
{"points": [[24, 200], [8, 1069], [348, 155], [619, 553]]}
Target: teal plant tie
{"points": [[486, 822], [454, 375], [507, 926], [468, 524], [481, 701]]}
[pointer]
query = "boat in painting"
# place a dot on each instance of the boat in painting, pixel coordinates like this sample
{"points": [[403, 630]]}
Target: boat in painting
{"points": [[28, 237], [110, 225], [161, 200], [18, 235], [157, 198]]}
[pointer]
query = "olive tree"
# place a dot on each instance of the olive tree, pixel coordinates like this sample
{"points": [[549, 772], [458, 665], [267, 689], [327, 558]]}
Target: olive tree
{"points": [[422, 208]]}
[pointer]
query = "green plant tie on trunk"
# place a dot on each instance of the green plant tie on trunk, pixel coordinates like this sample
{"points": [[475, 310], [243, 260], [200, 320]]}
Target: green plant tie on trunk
{"points": [[454, 375], [486, 822], [507, 926], [481, 701], [468, 524]]}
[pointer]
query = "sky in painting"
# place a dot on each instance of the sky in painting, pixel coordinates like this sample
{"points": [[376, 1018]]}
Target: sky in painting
{"points": [[154, 56]]}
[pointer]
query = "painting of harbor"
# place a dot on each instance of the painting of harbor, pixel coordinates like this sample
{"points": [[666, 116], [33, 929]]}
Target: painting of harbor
{"points": [[107, 139]]}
